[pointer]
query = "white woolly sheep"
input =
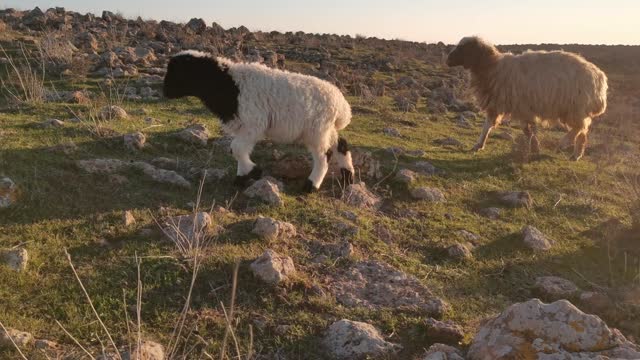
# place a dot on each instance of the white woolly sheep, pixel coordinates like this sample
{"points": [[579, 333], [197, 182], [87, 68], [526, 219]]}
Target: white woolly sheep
{"points": [[535, 86], [255, 102]]}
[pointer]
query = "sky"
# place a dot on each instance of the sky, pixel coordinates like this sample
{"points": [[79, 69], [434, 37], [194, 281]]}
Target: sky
{"points": [[500, 21]]}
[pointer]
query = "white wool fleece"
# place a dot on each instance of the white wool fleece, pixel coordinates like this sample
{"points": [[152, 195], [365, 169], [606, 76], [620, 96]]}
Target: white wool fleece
{"points": [[286, 107]]}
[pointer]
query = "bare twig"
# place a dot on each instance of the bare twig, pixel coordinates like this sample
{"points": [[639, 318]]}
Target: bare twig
{"points": [[95, 312]]}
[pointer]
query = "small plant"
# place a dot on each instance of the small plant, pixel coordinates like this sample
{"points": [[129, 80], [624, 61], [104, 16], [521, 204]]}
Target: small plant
{"points": [[25, 77]]}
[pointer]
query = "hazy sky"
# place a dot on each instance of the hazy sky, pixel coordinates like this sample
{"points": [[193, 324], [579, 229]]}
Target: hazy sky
{"points": [[501, 21]]}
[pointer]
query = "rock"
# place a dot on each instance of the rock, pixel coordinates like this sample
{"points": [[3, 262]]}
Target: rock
{"points": [[134, 141], [272, 267], [162, 175], [535, 239], [20, 338], [462, 122], [415, 153], [165, 163], [426, 168], [395, 150], [405, 103], [51, 123], [596, 302], [145, 54], [224, 143], [443, 331], [459, 252], [292, 167], [391, 132], [16, 259], [101, 166], [188, 229], [353, 340], [504, 135], [86, 41], [78, 97], [149, 350], [112, 112], [442, 352], [364, 163], [266, 189], [359, 196], [196, 134], [428, 194], [448, 141], [375, 285], [469, 236], [8, 192], [516, 199], [213, 175], [346, 229], [128, 218], [534, 330], [491, 213], [270, 229], [197, 25], [553, 288], [406, 176], [51, 348]]}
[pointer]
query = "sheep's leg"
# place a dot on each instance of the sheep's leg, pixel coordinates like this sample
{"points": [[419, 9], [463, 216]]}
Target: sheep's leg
{"points": [[581, 144], [569, 139], [490, 123], [247, 169], [530, 132], [320, 168]]}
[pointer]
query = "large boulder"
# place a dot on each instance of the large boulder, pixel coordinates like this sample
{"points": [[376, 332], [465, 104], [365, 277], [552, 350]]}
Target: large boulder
{"points": [[534, 330], [375, 285], [353, 340]]}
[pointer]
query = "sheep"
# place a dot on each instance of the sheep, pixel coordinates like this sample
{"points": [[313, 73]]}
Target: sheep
{"points": [[533, 87], [255, 102]]}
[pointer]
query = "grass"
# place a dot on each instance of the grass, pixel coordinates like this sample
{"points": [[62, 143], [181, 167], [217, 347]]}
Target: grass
{"points": [[62, 208]]}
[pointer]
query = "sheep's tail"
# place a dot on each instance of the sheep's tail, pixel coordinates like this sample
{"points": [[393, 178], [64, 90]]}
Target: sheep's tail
{"points": [[343, 115], [600, 101]]}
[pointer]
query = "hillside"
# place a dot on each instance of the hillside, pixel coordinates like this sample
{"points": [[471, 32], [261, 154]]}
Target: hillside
{"points": [[94, 163]]}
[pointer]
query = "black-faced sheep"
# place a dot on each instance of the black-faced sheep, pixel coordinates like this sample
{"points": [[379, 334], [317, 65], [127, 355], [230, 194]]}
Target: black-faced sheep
{"points": [[535, 86], [255, 102]]}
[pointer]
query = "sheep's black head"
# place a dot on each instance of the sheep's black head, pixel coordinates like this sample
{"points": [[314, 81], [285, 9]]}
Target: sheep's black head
{"points": [[470, 52], [192, 73], [186, 74]]}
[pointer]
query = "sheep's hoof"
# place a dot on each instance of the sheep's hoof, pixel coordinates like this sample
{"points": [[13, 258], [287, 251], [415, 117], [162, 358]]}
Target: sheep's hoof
{"points": [[347, 177], [254, 174], [308, 187], [477, 148]]}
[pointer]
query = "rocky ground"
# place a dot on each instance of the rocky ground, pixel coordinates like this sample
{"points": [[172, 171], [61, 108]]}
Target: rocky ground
{"points": [[435, 253]]}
